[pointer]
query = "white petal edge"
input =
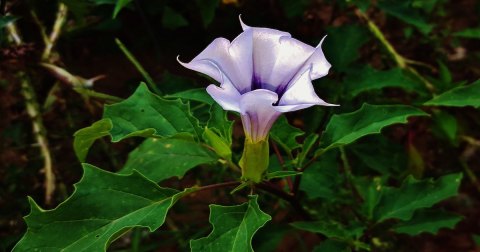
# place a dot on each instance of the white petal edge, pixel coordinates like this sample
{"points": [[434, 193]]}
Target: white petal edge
{"points": [[300, 94], [231, 59]]}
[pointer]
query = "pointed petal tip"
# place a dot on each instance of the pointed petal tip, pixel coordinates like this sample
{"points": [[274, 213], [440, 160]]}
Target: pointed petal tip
{"points": [[321, 42], [244, 26]]}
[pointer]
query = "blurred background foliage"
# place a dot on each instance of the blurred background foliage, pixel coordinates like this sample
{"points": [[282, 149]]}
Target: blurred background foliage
{"points": [[382, 52]]}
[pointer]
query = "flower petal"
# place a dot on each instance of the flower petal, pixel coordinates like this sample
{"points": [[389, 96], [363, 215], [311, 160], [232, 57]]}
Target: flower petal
{"points": [[234, 60], [258, 113], [226, 96], [300, 94], [277, 57], [317, 62]]}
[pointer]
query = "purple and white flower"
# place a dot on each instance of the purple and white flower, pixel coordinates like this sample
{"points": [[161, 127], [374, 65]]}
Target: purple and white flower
{"points": [[262, 73]]}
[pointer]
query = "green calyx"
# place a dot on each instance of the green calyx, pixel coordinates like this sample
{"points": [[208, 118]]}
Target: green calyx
{"points": [[254, 161]]}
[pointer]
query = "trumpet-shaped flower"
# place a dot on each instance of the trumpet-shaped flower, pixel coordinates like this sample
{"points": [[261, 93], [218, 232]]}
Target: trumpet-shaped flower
{"points": [[262, 73]]}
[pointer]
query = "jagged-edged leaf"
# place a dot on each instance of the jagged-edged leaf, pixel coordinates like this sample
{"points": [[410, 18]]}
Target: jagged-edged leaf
{"points": [[146, 112], [84, 138], [331, 229], [103, 206], [369, 119], [159, 159], [427, 221], [196, 94], [459, 97], [339, 51], [285, 134], [233, 227], [401, 203], [369, 78]]}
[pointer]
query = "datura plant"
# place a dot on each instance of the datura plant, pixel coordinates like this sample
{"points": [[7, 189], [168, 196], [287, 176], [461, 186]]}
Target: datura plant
{"points": [[261, 74]]}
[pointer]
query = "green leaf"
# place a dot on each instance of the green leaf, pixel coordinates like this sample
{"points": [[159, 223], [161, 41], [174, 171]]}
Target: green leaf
{"points": [[5, 20], [371, 190], [427, 221], [371, 79], [459, 97], [172, 19], [472, 33], [307, 146], [369, 119], [233, 227], [196, 94], [322, 179], [331, 229], [339, 51], [403, 10], [220, 124], [103, 206], [145, 113], [119, 6], [159, 159], [285, 135], [401, 203], [84, 138], [380, 154]]}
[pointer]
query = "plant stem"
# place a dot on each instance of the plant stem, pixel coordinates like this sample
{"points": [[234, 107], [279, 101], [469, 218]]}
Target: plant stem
{"points": [[33, 109], [216, 186], [98, 95], [349, 175], [268, 187], [138, 66], [399, 59], [282, 163], [56, 30]]}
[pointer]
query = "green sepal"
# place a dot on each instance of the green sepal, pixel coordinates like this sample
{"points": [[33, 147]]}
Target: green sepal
{"points": [[254, 161]]}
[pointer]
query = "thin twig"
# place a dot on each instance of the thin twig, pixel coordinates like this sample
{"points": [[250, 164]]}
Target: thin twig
{"points": [[138, 66], [282, 163], [33, 109], [268, 187], [56, 30]]}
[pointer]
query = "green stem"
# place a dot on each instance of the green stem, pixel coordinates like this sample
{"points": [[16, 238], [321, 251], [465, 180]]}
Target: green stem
{"points": [[399, 59], [98, 95], [138, 66]]}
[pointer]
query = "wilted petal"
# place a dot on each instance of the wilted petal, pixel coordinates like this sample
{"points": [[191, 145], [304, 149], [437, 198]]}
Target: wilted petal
{"points": [[300, 94], [258, 113], [234, 60], [277, 57]]}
